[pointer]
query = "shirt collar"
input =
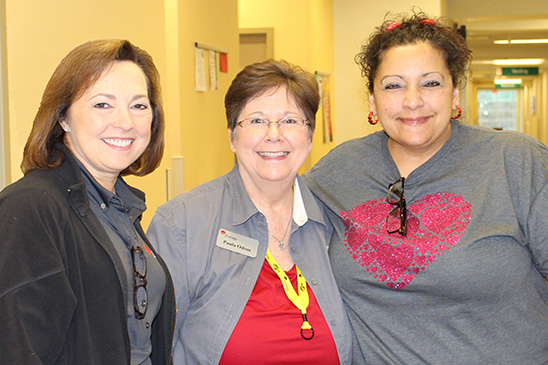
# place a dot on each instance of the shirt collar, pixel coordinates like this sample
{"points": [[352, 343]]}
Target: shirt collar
{"points": [[243, 206], [305, 206], [299, 211], [312, 209], [104, 197]]}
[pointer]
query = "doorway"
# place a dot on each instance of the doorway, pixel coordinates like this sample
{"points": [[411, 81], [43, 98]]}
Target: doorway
{"points": [[256, 45], [498, 109]]}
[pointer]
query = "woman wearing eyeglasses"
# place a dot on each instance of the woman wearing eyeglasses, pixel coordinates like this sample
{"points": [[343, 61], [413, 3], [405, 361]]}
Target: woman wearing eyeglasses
{"points": [[80, 281], [248, 250], [440, 247]]}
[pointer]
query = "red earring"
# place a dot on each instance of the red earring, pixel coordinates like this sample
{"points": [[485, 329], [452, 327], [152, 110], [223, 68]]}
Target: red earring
{"points": [[371, 120], [458, 114]]}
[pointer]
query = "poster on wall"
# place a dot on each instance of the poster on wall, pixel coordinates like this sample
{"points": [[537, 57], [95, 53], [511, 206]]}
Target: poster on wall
{"points": [[217, 60], [325, 104]]}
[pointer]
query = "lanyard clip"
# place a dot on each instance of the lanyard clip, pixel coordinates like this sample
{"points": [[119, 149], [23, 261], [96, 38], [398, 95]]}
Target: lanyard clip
{"points": [[306, 326]]}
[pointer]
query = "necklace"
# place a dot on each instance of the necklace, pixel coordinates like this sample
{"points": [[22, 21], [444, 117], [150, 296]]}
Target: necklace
{"points": [[281, 244]]}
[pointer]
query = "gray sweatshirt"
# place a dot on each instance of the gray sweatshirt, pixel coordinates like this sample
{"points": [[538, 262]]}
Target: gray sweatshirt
{"points": [[467, 284]]}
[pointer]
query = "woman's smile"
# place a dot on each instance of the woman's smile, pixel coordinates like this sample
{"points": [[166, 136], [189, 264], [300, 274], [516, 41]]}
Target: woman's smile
{"points": [[119, 142], [273, 155]]}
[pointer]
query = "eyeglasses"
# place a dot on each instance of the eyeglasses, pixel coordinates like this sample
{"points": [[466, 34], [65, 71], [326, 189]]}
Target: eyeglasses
{"points": [[262, 124], [140, 293], [397, 219]]}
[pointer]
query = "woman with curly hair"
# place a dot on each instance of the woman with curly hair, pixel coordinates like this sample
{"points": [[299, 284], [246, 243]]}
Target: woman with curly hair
{"points": [[440, 247]]}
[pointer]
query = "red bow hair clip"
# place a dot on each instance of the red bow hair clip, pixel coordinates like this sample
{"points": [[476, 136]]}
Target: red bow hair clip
{"points": [[393, 26], [428, 22]]}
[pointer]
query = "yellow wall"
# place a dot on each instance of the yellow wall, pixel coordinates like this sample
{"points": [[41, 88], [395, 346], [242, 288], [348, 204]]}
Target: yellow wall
{"points": [[196, 125], [204, 136], [4, 131], [542, 107], [40, 33], [303, 35]]}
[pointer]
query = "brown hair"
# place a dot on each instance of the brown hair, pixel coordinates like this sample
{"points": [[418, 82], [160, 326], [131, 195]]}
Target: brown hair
{"points": [[258, 78], [76, 73], [440, 33]]}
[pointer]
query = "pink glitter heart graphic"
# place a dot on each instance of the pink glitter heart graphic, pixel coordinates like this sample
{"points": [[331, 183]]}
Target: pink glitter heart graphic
{"points": [[375, 240], [426, 243], [355, 236], [435, 224], [395, 260]]}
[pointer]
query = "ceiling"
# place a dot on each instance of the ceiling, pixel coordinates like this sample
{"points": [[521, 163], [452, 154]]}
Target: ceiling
{"points": [[481, 32]]}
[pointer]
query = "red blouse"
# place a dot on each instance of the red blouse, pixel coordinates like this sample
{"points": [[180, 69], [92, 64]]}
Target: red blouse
{"points": [[269, 330]]}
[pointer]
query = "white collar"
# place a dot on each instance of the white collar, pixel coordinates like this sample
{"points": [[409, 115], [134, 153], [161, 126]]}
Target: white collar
{"points": [[299, 212]]}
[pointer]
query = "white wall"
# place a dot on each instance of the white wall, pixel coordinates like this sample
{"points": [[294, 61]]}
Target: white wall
{"points": [[354, 21]]}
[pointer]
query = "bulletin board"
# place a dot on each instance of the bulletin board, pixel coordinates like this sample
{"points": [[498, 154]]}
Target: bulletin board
{"points": [[209, 60]]}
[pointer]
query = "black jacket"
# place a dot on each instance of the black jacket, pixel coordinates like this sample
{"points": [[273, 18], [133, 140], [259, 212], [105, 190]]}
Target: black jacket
{"points": [[61, 298]]}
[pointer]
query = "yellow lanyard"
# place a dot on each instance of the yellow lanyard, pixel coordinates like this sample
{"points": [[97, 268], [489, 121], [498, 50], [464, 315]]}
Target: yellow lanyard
{"points": [[300, 300]]}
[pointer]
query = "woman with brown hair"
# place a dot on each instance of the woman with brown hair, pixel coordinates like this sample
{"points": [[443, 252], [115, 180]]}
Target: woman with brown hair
{"points": [[247, 251], [81, 282]]}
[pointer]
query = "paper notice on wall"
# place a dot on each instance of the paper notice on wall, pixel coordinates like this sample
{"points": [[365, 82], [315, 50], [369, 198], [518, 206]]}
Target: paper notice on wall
{"points": [[326, 106], [213, 84], [199, 56], [319, 79]]}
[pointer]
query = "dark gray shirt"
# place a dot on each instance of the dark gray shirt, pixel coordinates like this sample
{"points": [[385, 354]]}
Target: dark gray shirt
{"points": [[467, 284], [118, 213]]}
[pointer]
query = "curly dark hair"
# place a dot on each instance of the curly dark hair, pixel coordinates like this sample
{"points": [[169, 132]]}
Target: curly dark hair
{"points": [[441, 33]]}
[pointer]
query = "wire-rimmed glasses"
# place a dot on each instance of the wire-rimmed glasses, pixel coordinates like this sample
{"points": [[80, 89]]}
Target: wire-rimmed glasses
{"points": [[397, 218], [261, 124], [140, 293]]}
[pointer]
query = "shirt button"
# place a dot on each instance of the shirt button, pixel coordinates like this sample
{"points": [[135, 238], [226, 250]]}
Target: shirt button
{"points": [[333, 322], [103, 205], [314, 282], [147, 325]]}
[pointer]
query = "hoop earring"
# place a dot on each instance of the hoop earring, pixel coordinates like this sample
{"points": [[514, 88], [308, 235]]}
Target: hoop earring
{"points": [[458, 114], [371, 120]]}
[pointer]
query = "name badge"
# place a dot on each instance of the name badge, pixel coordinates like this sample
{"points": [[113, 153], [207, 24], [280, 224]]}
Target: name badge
{"points": [[237, 243]]}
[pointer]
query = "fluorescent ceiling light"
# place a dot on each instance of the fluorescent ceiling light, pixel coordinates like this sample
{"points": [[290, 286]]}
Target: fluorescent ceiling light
{"points": [[507, 81], [520, 41], [519, 61]]}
